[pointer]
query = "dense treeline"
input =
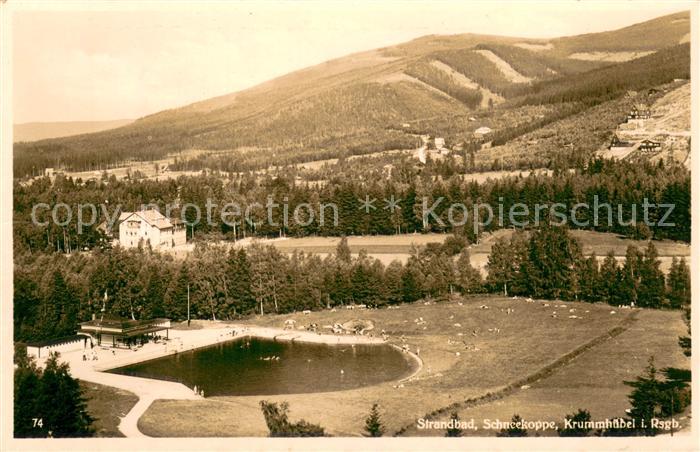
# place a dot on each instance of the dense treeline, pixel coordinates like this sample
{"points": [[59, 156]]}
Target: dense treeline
{"points": [[424, 203], [433, 76], [612, 81], [262, 159], [53, 292], [538, 64], [549, 264], [503, 136], [48, 402], [481, 70]]}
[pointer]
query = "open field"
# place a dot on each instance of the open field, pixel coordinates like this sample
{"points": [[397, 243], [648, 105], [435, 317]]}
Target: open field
{"points": [[559, 357], [591, 381], [107, 404], [608, 56], [387, 248]]}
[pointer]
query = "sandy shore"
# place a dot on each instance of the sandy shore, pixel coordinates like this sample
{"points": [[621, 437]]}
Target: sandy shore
{"points": [[148, 390], [187, 340]]}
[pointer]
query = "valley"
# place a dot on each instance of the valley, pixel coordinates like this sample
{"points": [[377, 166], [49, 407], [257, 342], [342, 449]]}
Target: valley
{"points": [[509, 218]]}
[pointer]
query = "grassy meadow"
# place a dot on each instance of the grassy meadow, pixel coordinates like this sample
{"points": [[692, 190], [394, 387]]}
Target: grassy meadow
{"points": [[568, 363]]}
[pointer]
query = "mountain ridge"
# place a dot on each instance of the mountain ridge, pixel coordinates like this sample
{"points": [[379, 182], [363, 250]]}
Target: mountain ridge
{"points": [[354, 103], [39, 130]]}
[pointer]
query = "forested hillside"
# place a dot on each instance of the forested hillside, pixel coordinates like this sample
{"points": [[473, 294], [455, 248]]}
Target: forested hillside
{"points": [[349, 103], [355, 129], [55, 292]]}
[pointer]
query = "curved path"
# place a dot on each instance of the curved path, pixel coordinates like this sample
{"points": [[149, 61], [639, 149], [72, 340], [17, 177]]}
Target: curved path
{"points": [[541, 374], [148, 390]]}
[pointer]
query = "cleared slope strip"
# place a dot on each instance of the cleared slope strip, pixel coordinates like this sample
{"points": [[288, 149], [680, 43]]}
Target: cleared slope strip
{"points": [[465, 81], [511, 74]]}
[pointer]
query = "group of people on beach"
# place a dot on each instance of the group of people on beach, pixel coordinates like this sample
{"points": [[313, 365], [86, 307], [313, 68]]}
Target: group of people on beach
{"points": [[93, 356]]}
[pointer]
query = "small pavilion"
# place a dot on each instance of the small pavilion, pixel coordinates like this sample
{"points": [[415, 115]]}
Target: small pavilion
{"points": [[117, 331]]}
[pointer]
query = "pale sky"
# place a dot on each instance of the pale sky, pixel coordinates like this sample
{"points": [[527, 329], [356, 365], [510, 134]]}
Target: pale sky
{"points": [[103, 65]]}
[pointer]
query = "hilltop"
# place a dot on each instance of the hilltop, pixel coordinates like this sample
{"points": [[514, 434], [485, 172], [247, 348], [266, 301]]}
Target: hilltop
{"points": [[376, 100], [33, 131]]}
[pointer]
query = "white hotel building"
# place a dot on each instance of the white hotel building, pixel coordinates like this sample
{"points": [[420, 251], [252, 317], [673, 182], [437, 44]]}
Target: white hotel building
{"points": [[150, 226]]}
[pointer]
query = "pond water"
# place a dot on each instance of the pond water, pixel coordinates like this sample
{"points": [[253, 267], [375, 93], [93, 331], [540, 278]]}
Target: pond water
{"points": [[266, 367]]}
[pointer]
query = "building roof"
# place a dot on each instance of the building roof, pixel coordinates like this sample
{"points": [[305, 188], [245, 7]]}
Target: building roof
{"points": [[115, 321], [650, 142], [125, 327], [152, 217], [58, 341], [483, 130]]}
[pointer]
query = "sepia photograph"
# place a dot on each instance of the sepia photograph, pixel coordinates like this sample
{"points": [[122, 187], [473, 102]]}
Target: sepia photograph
{"points": [[359, 225]]}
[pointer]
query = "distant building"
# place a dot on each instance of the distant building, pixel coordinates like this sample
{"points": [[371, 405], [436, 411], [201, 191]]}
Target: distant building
{"points": [[616, 142], [649, 146], [481, 132], [422, 155], [49, 172], [639, 112], [387, 170], [439, 143], [115, 331], [150, 226]]}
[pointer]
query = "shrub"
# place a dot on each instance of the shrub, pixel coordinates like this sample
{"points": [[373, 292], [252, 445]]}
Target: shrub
{"points": [[276, 418]]}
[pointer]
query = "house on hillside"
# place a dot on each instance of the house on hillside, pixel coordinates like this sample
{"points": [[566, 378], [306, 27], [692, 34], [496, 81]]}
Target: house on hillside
{"points": [[616, 142], [482, 132], [150, 226], [639, 112], [439, 143], [649, 146]]}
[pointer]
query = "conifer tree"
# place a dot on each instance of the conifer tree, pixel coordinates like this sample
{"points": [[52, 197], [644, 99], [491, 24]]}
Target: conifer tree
{"points": [[578, 420], [589, 279], [549, 269], [645, 399], [342, 251], [627, 293], [454, 430], [176, 296], [504, 265], [410, 285], [468, 278], [515, 429], [51, 397], [373, 423], [609, 273], [678, 284], [652, 287]]}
